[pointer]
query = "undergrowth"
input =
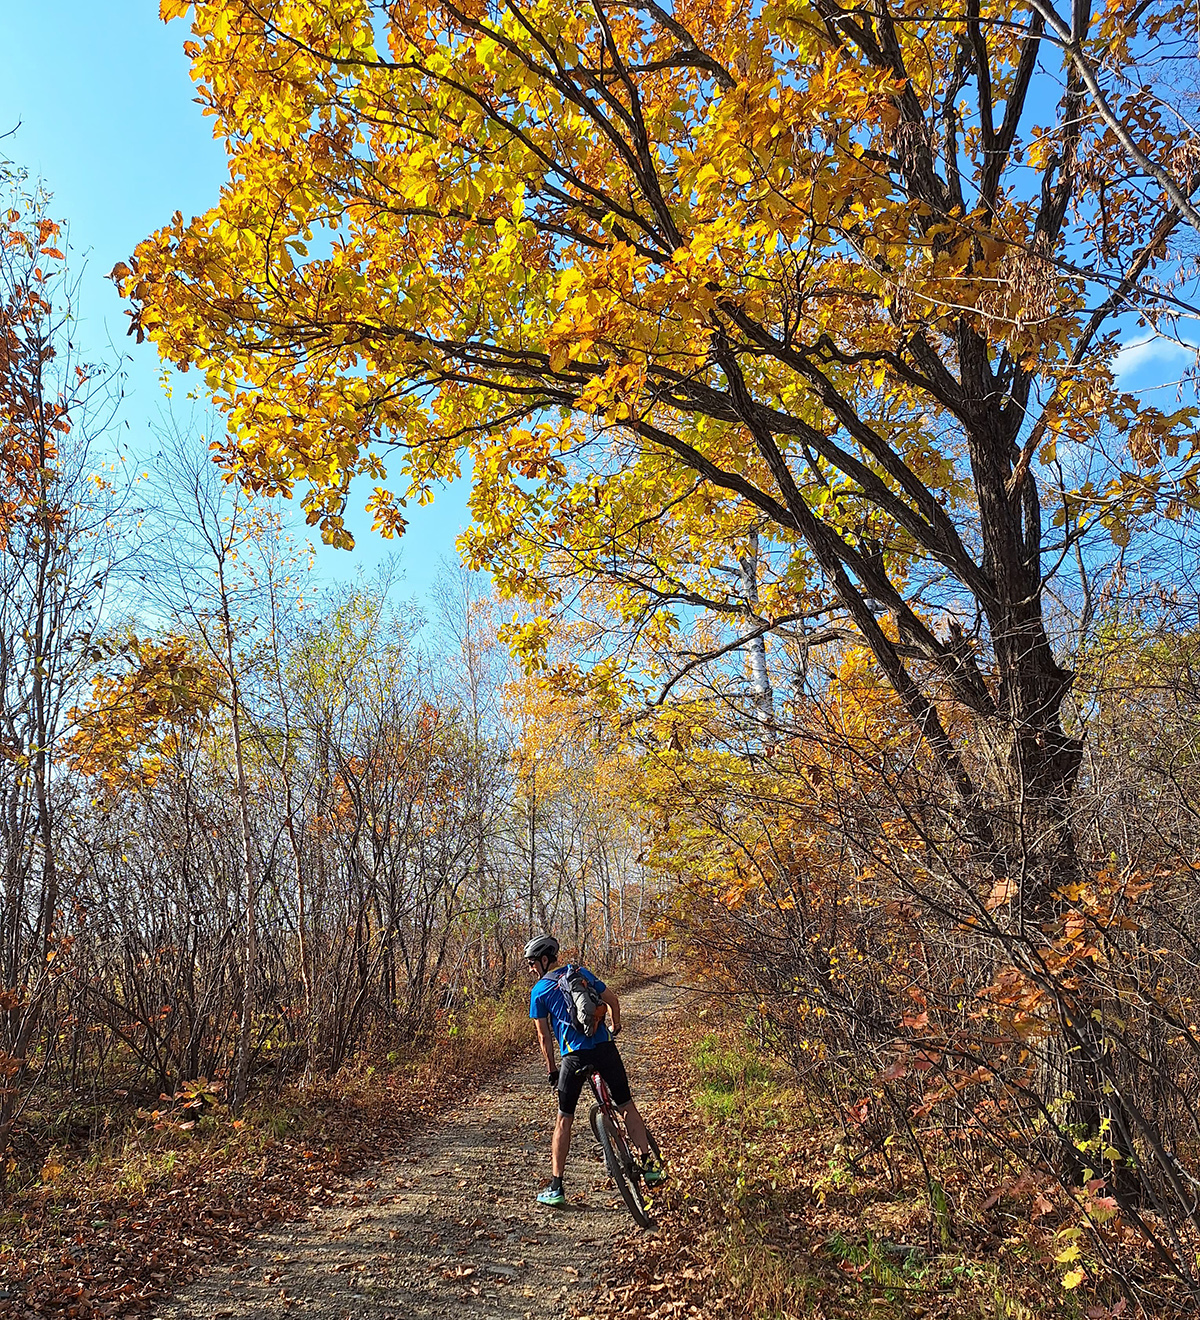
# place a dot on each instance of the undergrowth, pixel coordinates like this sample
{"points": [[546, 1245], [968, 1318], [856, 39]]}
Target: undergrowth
{"points": [[774, 1212]]}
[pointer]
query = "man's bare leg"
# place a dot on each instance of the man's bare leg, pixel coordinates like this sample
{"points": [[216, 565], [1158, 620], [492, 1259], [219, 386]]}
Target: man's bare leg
{"points": [[636, 1127], [561, 1144]]}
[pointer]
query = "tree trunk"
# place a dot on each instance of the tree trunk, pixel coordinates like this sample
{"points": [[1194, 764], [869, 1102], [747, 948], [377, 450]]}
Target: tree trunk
{"points": [[1031, 765], [304, 950], [760, 681], [245, 1047]]}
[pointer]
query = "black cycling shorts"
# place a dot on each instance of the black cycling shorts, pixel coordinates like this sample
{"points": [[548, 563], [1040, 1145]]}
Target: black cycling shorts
{"points": [[576, 1067]]}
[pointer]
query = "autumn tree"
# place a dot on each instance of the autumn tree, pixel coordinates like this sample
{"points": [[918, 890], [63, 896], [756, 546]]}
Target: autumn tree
{"points": [[800, 317], [150, 690], [849, 282]]}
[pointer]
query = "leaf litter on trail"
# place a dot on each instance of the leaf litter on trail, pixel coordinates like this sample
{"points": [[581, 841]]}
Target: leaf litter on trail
{"points": [[119, 1250], [121, 1255]]}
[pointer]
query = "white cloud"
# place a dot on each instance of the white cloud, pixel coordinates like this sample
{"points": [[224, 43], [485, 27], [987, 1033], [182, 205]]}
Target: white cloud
{"points": [[1168, 358]]}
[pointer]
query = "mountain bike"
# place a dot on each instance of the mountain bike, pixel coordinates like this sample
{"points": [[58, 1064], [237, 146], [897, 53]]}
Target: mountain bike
{"points": [[619, 1158]]}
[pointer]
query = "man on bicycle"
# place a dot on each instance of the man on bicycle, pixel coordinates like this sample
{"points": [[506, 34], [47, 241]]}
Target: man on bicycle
{"points": [[581, 1056]]}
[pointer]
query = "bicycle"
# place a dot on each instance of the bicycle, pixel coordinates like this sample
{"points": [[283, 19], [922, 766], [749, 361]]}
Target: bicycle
{"points": [[609, 1130]]}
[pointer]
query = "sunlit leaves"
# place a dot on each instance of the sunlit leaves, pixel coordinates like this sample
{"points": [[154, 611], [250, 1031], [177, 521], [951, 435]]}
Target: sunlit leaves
{"points": [[160, 689]]}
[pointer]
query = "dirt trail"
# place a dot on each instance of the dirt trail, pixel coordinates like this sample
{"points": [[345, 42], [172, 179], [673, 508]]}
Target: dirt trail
{"points": [[449, 1228]]}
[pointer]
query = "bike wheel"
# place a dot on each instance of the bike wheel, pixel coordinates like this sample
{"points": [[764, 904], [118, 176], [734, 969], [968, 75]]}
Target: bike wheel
{"points": [[620, 1163], [609, 1151], [594, 1120]]}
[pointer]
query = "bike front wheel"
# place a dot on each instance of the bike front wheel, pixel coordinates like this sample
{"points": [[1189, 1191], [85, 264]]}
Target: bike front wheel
{"points": [[620, 1163]]}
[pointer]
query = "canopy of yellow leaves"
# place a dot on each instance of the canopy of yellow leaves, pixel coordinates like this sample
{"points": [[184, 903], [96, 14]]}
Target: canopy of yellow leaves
{"points": [[521, 237]]}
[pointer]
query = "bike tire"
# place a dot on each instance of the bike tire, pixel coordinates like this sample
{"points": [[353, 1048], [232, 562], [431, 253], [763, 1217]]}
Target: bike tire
{"points": [[594, 1120], [620, 1164], [613, 1146]]}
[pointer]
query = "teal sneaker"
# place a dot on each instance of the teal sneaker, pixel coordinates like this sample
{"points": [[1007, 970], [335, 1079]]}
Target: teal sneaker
{"points": [[552, 1196], [653, 1173]]}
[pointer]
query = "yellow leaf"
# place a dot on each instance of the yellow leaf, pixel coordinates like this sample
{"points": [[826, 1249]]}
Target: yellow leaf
{"points": [[1073, 1279]]}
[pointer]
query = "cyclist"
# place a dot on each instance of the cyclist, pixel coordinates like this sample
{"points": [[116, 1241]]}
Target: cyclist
{"points": [[581, 1055]]}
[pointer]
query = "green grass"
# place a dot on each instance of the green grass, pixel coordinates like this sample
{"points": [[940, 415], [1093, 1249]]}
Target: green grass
{"points": [[727, 1077]]}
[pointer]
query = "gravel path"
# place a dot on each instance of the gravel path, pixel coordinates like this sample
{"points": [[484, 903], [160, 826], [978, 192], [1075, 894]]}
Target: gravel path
{"points": [[449, 1228]]}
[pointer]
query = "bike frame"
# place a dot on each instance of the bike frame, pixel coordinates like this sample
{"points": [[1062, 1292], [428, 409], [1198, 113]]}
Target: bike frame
{"points": [[601, 1092], [616, 1120], [604, 1099]]}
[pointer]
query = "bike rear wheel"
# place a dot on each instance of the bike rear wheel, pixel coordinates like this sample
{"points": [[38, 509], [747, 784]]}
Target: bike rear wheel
{"points": [[619, 1161]]}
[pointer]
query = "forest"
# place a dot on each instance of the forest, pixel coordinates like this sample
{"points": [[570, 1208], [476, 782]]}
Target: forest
{"points": [[825, 642]]}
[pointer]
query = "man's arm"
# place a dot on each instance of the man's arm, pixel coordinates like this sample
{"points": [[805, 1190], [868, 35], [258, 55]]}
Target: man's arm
{"points": [[615, 1004], [546, 1041]]}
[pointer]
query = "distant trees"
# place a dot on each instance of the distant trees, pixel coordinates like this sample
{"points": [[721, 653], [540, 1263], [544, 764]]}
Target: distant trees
{"points": [[245, 823], [57, 547], [334, 874]]}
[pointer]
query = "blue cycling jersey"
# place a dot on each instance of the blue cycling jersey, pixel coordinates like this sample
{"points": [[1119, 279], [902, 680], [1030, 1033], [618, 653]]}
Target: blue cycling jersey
{"points": [[546, 1000]]}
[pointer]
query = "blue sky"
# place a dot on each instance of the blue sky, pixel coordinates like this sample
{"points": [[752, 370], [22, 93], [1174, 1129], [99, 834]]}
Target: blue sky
{"points": [[101, 93]]}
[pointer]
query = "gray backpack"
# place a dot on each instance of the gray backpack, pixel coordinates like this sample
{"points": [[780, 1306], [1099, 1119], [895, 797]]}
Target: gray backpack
{"points": [[583, 1003]]}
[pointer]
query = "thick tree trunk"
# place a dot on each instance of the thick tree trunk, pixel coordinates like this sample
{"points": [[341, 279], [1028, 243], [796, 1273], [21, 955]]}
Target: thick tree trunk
{"points": [[1031, 768], [1028, 777], [1028, 781], [1031, 764]]}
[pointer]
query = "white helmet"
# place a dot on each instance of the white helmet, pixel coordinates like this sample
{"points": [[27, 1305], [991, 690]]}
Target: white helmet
{"points": [[542, 946]]}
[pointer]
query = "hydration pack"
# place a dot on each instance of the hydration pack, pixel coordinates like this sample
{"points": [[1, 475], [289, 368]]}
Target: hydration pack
{"points": [[583, 1003]]}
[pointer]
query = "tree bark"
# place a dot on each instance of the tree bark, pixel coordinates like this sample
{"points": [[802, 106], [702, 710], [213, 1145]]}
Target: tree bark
{"points": [[245, 1047]]}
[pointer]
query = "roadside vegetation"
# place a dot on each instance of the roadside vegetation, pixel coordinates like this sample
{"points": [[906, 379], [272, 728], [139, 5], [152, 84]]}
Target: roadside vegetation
{"points": [[137, 1194], [775, 1210]]}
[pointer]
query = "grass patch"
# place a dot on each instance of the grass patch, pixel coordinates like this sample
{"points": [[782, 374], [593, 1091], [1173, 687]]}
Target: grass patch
{"points": [[725, 1077]]}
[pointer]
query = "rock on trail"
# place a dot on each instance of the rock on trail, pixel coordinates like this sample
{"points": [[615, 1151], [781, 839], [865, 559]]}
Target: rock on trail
{"points": [[449, 1227]]}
